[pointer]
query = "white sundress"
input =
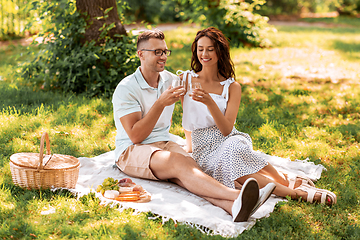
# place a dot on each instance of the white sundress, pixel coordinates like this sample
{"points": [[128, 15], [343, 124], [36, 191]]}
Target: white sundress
{"points": [[225, 158]]}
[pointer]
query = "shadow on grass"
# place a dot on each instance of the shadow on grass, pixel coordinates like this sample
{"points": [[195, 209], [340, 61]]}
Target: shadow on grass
{"points": [[11, 55], [284, 223], [336, 30], [351, 21], [248, 118], [16, 220], [32, 111], [60, 143], [349, 130], [24, 98], [350, 49]]}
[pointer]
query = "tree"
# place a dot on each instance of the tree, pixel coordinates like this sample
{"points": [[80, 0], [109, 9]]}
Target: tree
{"points": [[100, 13], [87, 48]]}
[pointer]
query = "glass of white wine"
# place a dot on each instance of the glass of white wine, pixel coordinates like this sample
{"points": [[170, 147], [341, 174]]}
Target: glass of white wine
{"points": [[178, 82], [194, 85]]}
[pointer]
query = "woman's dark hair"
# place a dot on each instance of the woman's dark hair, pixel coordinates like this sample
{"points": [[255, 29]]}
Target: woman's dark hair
{"points": [[221, 44]]}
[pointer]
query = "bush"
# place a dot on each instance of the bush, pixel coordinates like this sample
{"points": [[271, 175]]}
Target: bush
{"points": [[66, 64], [153, 11], [236, 19], [295, 7], [349, 7]]}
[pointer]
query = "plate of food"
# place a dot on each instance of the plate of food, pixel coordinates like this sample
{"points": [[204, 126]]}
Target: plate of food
{"points": [[123, 190]]}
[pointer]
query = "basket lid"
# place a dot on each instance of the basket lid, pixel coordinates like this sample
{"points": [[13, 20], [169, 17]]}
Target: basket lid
{"points": [[55, 161], [60, 161], [29, 160]]}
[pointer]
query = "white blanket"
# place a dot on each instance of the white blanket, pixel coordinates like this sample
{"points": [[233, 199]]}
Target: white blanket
{"points": [[173, 202]]}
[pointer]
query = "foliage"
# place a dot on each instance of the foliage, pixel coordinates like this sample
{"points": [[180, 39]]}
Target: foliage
{"points": [[65, 63], [153, 11], [235, 18], [272, 7], [13, 18], [349, 7], [286, 7]]}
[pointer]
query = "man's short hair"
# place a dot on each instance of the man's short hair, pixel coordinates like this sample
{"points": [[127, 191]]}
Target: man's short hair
{"points": [[145, 36]]}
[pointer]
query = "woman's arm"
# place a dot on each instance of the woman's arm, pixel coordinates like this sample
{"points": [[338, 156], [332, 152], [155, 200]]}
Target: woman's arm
{"points": [[224, 122], [181, 76], [188, 147]]}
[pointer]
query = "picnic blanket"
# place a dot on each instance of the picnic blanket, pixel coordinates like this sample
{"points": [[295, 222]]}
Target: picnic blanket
{"points": [[170, 201]]}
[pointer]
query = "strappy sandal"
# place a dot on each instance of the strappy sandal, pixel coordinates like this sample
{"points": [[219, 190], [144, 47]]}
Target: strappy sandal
{"points": [[327, 197], [304, 181]]}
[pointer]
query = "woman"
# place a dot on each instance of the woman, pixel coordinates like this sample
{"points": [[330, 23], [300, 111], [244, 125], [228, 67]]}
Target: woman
{"points": [[209, 115]]}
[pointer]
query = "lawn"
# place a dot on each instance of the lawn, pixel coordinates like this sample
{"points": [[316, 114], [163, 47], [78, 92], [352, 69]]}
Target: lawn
{"points": [[300, 99]]}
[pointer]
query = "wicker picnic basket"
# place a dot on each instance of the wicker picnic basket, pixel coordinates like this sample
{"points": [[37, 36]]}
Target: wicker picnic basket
{"points": [[39, 171]]}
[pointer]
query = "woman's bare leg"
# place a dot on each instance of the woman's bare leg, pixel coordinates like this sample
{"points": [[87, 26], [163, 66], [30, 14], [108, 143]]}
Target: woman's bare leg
{"points": [[280, 190], [271, 172]]}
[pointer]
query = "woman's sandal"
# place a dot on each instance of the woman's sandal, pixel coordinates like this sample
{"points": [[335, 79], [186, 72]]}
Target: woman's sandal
{"points": [[327, 197], [304, 181]]}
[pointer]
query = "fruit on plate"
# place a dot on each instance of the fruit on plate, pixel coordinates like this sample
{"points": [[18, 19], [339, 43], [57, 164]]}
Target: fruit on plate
{"points": [[108, 184]]}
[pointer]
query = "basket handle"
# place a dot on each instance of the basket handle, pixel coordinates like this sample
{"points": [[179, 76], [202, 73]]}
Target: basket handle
{"points": [[45, 136]]}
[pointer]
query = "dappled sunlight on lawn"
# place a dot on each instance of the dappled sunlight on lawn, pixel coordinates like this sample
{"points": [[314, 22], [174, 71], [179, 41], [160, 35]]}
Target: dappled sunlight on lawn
{"points": [[301, 63], [300, 100]]}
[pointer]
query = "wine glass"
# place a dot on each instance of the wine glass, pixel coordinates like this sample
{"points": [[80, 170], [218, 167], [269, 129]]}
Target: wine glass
{"points": [[194, 85], [178, 82]]}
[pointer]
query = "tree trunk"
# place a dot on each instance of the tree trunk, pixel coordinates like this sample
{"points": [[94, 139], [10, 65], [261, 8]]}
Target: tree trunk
{"points": [[95, 9]]}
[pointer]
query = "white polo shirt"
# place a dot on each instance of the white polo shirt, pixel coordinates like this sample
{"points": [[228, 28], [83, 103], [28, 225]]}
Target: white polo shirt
{"points": [[133, 94]]}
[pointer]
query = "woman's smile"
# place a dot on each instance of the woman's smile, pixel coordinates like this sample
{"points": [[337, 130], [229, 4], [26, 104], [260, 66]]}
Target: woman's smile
{"points": [[206, 51]]}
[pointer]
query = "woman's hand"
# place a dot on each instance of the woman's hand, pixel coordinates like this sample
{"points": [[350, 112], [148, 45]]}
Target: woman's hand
{"points": [[224, 122], [201, 95]]}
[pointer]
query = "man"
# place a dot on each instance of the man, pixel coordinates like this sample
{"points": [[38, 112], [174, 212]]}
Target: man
{"points": [[143, 105]]}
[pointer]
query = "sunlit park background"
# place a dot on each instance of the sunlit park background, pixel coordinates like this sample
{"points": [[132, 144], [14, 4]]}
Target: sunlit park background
{"points": [[298, 63]]}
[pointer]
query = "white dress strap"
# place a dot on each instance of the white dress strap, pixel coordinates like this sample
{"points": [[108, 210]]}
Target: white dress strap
{"points": [[191, 73], [226, 85]]}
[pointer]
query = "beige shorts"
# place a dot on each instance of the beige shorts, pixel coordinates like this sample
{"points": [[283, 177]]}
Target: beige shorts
{"points": [[135, 160]]}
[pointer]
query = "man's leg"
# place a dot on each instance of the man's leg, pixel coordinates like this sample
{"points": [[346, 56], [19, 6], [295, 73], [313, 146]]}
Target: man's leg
{"points": [[245, 204], [150, 161], [185, 172], [224, 204]]}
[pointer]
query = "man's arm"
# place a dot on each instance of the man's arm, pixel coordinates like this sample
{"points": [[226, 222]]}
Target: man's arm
{"points": [[137, 128]]}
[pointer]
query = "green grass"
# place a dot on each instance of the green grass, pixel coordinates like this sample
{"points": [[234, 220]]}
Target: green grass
{"points": [[300, 99], [349, 21]]}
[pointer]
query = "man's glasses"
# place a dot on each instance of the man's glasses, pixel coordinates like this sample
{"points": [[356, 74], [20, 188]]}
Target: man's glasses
{"points": [[159, 52]]}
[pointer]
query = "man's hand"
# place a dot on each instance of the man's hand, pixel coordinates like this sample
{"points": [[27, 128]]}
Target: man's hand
{"points": [[171, 96], [137, 127]]}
